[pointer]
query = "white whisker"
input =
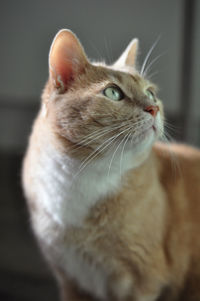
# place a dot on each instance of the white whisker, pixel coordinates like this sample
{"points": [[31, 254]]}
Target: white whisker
{"points": [[148, 55], [173, 159], [93, 155], [153, 74], [122, 152], [95, 135], [99, 133], [152, 62], [113, 155]]}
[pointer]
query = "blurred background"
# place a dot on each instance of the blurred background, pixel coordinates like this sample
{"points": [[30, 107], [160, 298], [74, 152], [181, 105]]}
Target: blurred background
{"points": [[104, 28]]}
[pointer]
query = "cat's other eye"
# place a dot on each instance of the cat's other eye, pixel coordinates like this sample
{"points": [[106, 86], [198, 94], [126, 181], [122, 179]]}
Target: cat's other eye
{"points": [[114, 93], [150, 94]]}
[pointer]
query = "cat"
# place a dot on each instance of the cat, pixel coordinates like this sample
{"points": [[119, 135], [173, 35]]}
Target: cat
{"points": [[113, 217]]}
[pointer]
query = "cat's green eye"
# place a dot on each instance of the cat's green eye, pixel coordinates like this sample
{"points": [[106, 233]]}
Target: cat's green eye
{"points": [[114, 93], [150, 94]]}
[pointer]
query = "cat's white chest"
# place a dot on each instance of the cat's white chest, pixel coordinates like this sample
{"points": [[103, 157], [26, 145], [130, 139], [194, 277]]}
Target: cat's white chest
{"points": [[89, 276], [67, 193]]}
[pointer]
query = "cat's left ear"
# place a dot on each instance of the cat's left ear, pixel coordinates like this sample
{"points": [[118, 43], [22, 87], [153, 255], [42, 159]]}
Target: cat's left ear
{"points": [[67, 59], [129, 56]]}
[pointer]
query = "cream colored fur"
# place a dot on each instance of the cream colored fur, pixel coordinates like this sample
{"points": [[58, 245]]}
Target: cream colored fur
{"points": [[114, 219]]}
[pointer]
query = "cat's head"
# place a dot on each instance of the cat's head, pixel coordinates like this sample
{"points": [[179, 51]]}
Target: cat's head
{"points": [[94, 108]]}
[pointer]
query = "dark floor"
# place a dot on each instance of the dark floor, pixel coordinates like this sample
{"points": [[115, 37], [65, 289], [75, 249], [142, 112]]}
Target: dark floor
{"points": [[24, 275]]}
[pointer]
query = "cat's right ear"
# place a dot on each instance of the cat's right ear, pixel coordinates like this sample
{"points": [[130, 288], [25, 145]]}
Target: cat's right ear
{"points": [[67, 59], [129, 56]]}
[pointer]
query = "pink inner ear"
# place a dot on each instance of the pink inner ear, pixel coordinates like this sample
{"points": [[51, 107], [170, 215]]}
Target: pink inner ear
{"points": [[61, 68], [66, 58]]}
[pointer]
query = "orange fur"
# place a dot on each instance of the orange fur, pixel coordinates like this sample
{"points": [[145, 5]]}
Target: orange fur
{"points": [[141, 237]]}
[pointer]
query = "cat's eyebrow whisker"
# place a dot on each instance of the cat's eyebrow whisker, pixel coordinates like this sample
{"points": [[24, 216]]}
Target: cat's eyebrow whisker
{"points": [[148, 55], [152, 62], [96, 49], [108, 50], [149, 76]]}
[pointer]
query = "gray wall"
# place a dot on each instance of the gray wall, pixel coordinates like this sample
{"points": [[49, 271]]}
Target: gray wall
{"points": [[193, 122], [104, 28]]}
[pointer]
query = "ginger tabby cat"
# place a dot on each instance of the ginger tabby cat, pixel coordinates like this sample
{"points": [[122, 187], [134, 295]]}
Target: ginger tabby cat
{"points": [[114, 219]]}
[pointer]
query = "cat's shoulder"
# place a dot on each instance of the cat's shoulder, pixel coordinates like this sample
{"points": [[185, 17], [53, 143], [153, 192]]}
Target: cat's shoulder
{"points": [[177, 149], [185, 159]]}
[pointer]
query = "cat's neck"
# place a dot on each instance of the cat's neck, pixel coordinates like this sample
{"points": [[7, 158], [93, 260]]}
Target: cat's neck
{"points": [[69, 187]]}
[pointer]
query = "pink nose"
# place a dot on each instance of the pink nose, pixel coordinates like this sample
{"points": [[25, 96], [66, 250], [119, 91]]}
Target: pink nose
{"points": [[153, 110]]}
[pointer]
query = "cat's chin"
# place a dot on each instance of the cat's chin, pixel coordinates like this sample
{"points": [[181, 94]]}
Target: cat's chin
{"points": [[135, 152], [144, 141]]}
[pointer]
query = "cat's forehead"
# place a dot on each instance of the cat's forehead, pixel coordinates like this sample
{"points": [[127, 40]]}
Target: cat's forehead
{"points": [[127, 79]]}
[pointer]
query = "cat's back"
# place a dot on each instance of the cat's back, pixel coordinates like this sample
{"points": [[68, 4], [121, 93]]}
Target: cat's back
{"points": [[178, 161], [179, 173], [179, 170]]}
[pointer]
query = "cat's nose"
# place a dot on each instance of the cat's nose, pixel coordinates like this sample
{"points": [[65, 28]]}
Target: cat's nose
{"points": [[153, 110]]}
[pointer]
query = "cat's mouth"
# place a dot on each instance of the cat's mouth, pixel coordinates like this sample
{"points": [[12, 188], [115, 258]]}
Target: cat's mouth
{"points": [[144, 134]]}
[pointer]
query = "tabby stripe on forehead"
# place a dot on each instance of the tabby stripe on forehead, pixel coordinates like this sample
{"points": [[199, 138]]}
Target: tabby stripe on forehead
{"points": [[135, 78], [121, 77]]}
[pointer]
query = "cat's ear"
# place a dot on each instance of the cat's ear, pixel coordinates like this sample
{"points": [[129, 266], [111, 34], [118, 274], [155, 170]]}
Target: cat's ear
{"points": [[129, 56], [67, 59]]}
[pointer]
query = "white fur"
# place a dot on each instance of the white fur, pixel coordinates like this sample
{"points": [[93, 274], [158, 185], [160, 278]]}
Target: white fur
{"points": [[67, 193], [68, 200], [90, 276]]}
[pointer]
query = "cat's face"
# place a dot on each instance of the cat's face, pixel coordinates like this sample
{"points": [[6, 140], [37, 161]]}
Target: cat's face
{"points": [[98, 107]]}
